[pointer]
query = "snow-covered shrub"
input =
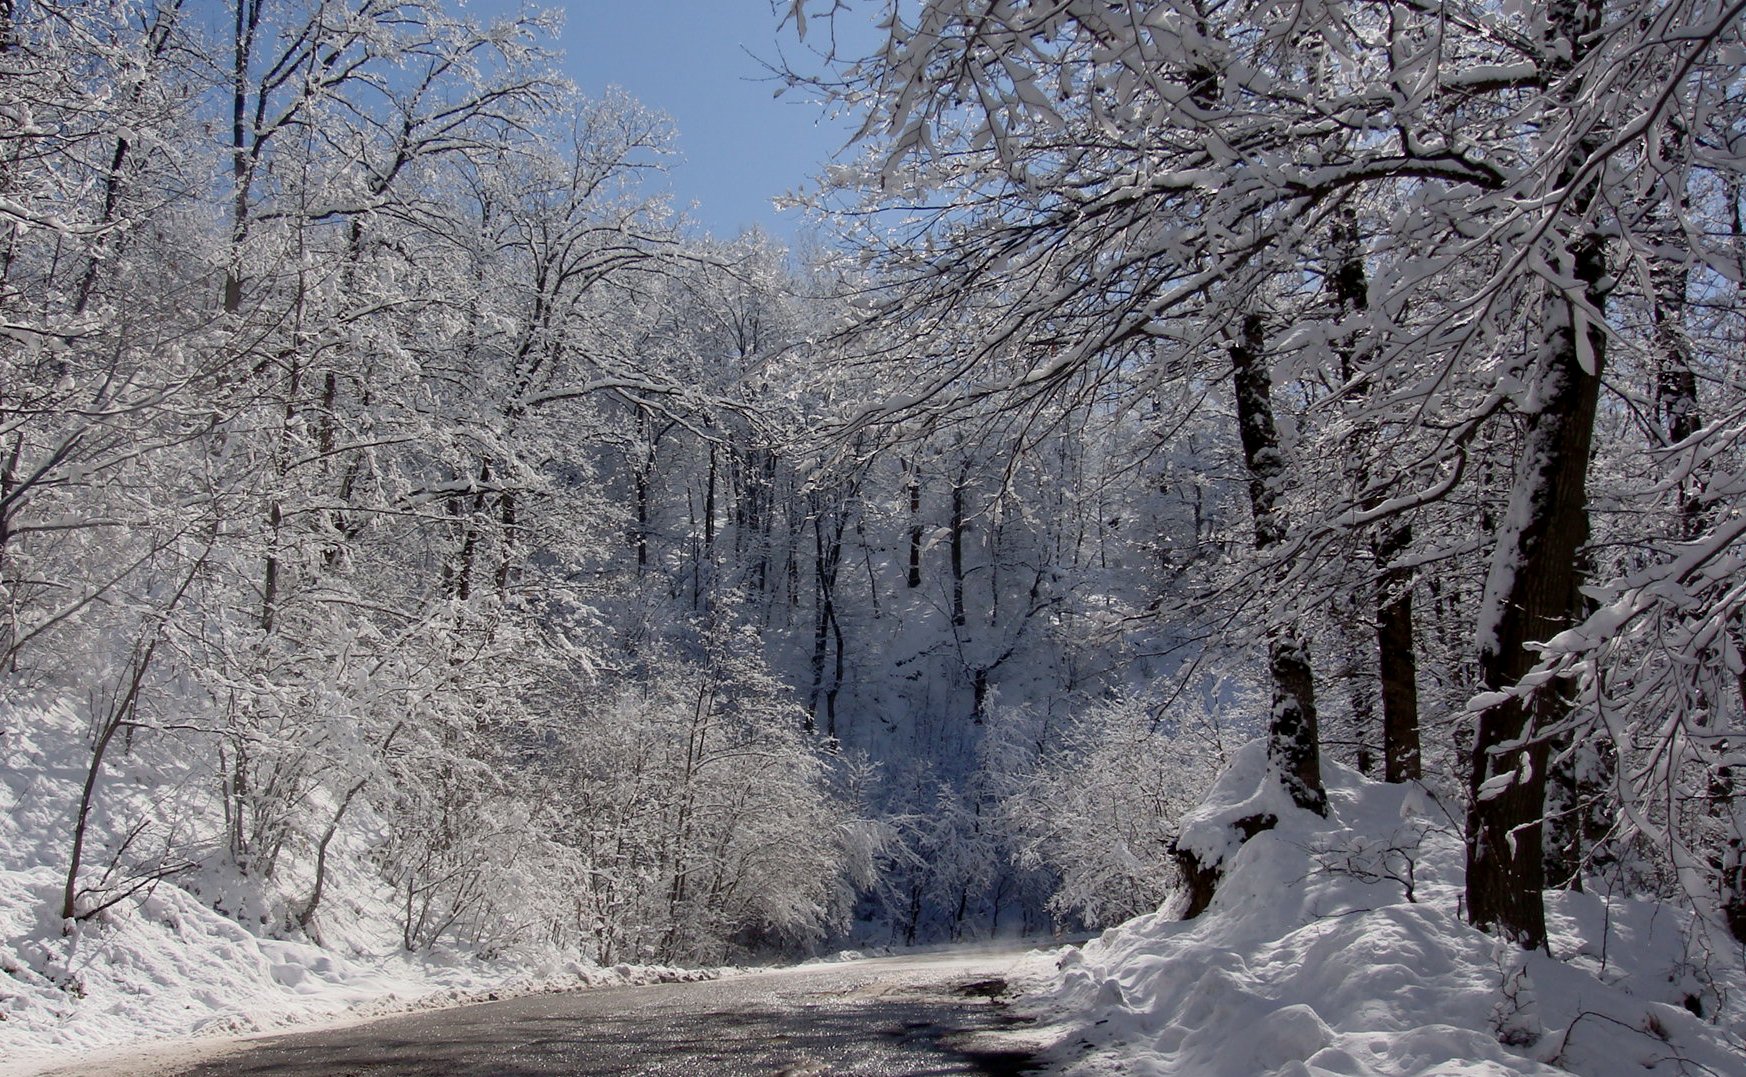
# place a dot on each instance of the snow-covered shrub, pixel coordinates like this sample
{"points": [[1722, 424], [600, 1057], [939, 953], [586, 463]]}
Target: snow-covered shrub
{"points": [[699, 813], [944, 858], [1103, 803]]}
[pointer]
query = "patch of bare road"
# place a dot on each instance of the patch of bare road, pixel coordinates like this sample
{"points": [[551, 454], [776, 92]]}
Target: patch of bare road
{"points": [[944, 1013]]}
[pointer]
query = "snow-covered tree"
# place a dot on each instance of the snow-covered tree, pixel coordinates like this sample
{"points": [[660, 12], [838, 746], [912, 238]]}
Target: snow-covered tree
{"points": [[1161, 177]]}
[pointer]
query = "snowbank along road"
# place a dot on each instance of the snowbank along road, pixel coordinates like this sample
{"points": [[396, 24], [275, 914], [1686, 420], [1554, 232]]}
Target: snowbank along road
{"points": [[943, 1013]]}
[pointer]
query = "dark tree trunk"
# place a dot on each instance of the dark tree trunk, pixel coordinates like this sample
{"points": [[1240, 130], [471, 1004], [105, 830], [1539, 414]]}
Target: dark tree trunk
{"points": [[248, 21], [827, 559], [1731, 866], [1676, 392], [1567, 802], [643, 479], [915, 528], [1561, 839], [1397, 661], [469, 554], [1531, 592], [760, 496], [1356, 676], [957, 547], [1529, 597], [837, 672], [505, 561], [642, 535], [709, 510], [1293, 741]]}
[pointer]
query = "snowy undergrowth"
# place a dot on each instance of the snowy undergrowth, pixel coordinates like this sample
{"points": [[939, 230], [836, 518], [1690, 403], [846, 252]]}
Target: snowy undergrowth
{"points": [[1336, 947], [163, 963]]}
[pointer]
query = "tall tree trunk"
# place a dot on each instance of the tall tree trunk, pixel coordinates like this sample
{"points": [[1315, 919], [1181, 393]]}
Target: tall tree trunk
{"points": [[248, 21], [827, 559], [957, 548], [1397, 662], [837, 668], [1397, 659], [915, 526], [641, 483], [1676, 401], [1530, 596], [643, 467], [1561, 836], [1358, 701], [1293, 740], [1531, 591], [709, 511]]}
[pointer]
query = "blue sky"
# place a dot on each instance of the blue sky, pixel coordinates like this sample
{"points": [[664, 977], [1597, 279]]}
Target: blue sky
{"points": [[698, 61]]}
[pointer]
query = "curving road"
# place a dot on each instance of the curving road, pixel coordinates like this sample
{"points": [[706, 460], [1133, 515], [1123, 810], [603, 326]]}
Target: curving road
{"points": [[937, 1014]]}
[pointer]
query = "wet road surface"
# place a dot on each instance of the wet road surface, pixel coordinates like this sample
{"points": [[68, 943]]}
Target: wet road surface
{"points": [[930, 1015]]}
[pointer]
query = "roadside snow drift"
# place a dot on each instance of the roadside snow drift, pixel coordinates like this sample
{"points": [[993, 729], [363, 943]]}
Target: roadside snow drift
{"points": [[163, 964], [1336, 947]]}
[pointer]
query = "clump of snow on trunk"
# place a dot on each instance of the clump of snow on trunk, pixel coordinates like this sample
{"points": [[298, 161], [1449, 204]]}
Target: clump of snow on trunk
{"points": [[1249, 797]]}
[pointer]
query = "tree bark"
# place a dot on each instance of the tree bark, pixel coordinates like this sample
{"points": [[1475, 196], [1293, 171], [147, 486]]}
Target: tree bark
{"points": [[1293, 740], [1530, 596], [248, 20], [1531, 591], [957, 552], [827, 559], [1397, 662]]}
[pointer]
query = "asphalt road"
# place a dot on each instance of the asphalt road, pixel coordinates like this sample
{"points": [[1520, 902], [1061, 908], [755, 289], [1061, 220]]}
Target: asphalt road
{"points": [[939, 1014]]}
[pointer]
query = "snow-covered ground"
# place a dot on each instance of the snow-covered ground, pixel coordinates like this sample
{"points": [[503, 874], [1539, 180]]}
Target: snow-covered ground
{"points": [[1336, 947], [163, 965]]}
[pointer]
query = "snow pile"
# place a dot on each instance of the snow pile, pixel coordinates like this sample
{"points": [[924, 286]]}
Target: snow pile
{"points": [[1335, 947], [163, 963]]}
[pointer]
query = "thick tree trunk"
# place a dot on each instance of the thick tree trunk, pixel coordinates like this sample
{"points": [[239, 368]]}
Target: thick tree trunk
{"points": [[1531, 591], [1293, 740], [1530, 596], [1561, 837]]}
